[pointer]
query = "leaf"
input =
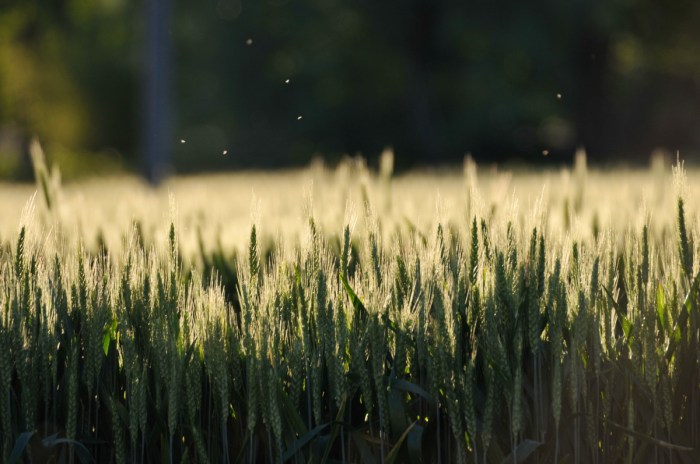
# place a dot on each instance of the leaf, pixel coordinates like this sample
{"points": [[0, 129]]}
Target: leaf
{"points": [[109, 334], [397, 411], [524, 449], [80, 450], [303, 441], [105, 343], [190, 351], [411, 387], [391, 457], [652, 440], [626, 327], [662, 310], [292, 414], [361, 442], [689, 302], [354, 299], [682, 321], [625, 322], [391, 325], [334, 430], [20, 445], [414, 443]]}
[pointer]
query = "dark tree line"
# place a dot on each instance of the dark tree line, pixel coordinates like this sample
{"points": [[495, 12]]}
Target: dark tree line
{"points": [[435, 79]]}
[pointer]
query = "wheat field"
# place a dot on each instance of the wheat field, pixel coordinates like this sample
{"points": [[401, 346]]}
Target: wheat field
{"points": [[346, 315]]}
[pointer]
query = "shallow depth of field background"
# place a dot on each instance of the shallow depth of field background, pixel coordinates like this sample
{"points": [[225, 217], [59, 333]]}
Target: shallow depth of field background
{"points": [[215, 211], [275, 83]]}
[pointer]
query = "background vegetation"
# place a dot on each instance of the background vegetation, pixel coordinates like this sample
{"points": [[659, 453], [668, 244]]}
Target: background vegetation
{"points": [[433, 79]]}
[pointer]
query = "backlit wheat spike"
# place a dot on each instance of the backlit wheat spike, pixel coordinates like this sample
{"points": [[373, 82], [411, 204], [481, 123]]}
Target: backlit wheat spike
{"points": [[340, 354], [468, 407], [577, 339], [296, 370], [263, 373], [375, 259], [252, 391], [575, 269], [253, 256], [345, 252], [557, 309], [442, 340], [495, 347], [172, 242], [94, 327], [360, 369], [27, 372], [487, 419], [402, 283], [485, 240], [132, 399], [511, 247], [651, 371], [594, 283], [174, 387], [118, 434], [19, 254], [685, 251], [377, 356], [474, 254], [323, 316], [596, 344], [72, 416], [533, 317], [541, 267], [400, 357], [5, 392], [316, 390], [44, 350], [606, 314], [273, 399], [556, 393], [440, 247], [193, 387], [453, 413], [666, 401], [503, 295], [475, 312], [141, 401], [200, 446], [517, 409], [132, 373], [645, 254]]}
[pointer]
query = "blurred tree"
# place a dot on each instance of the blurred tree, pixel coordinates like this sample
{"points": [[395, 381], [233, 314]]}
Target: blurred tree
{"points": [[156, 94], [271, 82], [67, 73]]}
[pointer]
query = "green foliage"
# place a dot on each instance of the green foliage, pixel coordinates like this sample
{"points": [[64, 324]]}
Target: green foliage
{"points": [[431, 78]]}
